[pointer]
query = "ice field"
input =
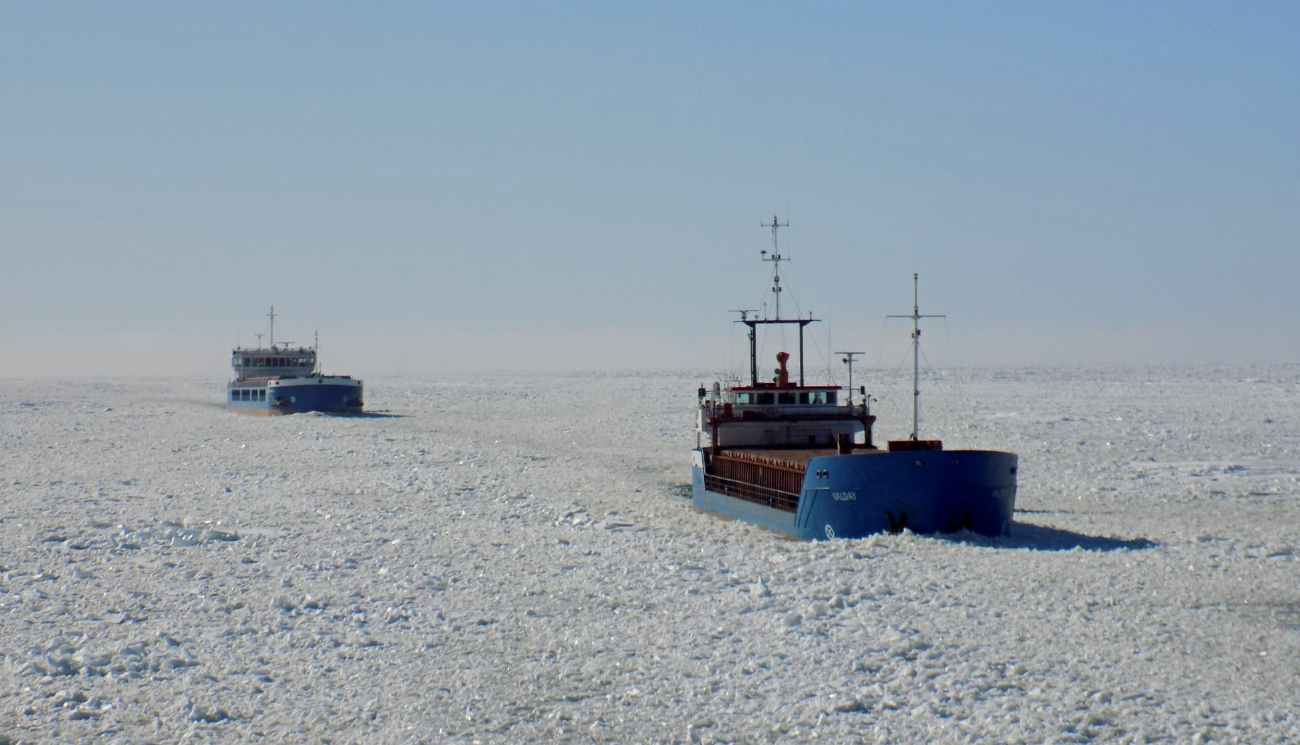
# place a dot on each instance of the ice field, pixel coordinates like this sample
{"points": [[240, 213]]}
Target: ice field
{"points": [[513, 558]]}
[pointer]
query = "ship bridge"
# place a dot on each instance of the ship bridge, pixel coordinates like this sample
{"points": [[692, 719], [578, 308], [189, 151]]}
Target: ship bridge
{"points": [[782, 414], [770, 396], [273, 362]]}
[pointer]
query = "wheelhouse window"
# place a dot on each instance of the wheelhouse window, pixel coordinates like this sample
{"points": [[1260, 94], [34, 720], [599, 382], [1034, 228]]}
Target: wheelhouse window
{"points": [[765, 399], [785, 398], [742, 398]]}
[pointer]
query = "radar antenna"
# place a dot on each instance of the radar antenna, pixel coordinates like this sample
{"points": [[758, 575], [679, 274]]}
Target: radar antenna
{"points": [[916, 358], [776, 258]]}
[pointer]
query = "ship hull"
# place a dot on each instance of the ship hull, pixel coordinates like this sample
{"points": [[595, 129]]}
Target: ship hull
{"points": [[860, 494], [328, 394]]}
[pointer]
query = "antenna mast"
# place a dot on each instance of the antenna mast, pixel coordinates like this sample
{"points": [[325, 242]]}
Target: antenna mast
{"points": [[776, 258], [753, 342], [271, 315], [753, 323], [916, 358], [848, 360]]}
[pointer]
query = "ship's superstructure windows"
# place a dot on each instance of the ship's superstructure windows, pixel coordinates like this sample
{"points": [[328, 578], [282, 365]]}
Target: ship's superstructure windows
{"points": [[766, 398], [785, 398], [742, 398]]}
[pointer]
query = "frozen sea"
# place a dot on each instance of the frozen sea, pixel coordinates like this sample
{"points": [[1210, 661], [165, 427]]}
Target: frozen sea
{"points": [[513, 558]]}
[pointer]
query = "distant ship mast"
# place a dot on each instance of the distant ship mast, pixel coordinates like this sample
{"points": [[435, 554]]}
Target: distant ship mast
{"points": [[271, 315], [916, 316], [848, 360]]}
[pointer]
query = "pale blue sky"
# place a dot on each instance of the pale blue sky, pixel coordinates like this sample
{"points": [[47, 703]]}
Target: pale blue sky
{"points": [[581, 184]]}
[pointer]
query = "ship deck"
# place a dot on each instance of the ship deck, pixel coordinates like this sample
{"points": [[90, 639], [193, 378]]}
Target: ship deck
{"points": [[800, 456]]}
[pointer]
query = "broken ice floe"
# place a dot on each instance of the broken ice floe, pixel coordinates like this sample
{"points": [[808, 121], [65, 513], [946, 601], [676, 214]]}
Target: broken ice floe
{"points": [[61, 657], [130, 538]]}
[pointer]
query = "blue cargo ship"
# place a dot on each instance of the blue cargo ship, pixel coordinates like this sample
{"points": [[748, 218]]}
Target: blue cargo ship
{"points": [[800, 459], [285, 379]]}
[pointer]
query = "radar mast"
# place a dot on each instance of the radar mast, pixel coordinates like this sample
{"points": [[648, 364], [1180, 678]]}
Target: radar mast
{"points": [[916, 316], [776, 258]]}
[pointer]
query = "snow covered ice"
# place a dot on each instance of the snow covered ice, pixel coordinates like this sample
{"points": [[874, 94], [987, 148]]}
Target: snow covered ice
{"points": [[513, 558]]}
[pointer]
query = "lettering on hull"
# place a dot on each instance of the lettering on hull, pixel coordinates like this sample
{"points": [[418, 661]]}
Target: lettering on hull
{"points": [[844, 496]]}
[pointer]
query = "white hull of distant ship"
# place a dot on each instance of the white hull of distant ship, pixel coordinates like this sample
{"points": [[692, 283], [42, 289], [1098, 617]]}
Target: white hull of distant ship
{"points": [[799, 460], [283, 379]]}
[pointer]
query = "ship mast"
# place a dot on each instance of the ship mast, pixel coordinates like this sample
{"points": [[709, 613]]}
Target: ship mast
{"points": [[753, 343], [776, 258], [271, 315], [916, 316], [848, 360]]}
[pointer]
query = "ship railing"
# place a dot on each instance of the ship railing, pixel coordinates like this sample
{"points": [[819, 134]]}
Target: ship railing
{"points": [[764, 495]]}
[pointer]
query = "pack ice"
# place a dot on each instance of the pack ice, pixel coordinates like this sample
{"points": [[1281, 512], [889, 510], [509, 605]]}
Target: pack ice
{"points": [[512, 558]]}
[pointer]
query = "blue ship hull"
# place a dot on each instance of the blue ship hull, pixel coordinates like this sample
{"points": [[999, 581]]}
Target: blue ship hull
{"points": [[329, 394], [859, 494]]}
